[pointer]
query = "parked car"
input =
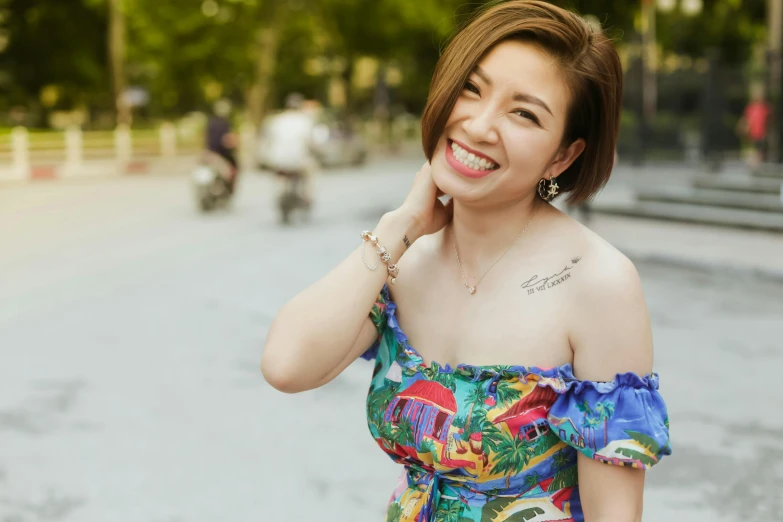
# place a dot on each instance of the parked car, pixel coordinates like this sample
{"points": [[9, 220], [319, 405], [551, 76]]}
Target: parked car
{"points": [[334, 142]]}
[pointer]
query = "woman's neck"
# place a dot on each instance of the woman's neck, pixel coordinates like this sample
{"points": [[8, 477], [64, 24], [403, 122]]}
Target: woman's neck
{"points": [[484, 233]]}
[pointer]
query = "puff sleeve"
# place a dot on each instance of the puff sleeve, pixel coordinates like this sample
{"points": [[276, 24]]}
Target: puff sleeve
{"points": [[623, 422]]}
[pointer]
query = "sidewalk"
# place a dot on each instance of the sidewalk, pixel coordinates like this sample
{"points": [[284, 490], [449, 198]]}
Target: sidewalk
{"points": [[685, 244], [696, 246]]}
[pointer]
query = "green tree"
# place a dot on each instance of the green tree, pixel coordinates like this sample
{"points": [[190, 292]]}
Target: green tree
{"points": [[561, 459], [584, 409], [476, 397], [732, 26], [544, 443], [403, 435], [507, 394], [532, 480], [512, 456], [427, 446], [187, 56], [605, 410], [53, 56], [449, 510], [378, 402], [564, 478], [447, 379], [591, 423], [492, 436]]}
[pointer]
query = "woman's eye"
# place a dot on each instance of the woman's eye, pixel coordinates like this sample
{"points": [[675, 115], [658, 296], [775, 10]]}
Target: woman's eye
{"points": [[470, 86], [528, 115]]}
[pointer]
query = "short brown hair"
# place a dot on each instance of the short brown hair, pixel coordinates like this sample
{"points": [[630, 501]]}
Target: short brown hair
{"points": [[588, 59]]}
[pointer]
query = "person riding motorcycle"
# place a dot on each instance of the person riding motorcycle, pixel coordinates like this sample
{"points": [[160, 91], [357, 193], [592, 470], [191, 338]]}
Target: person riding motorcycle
{"points": [[221, 142], [289, 139]]}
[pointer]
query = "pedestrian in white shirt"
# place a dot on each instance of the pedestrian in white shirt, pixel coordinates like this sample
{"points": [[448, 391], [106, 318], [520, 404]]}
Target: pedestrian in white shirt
{"points": [[288, 146]]}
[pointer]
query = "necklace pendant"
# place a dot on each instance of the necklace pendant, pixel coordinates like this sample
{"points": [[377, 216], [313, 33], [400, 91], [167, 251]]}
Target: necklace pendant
{"points": [[472, 290]]}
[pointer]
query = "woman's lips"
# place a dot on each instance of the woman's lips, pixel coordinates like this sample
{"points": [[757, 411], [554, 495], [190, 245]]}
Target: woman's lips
{"points": [[463, 169], [477, 153]]}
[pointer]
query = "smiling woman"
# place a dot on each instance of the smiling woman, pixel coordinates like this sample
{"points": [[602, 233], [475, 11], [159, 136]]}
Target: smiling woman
{"points": [[518, 44], [532, 366]]}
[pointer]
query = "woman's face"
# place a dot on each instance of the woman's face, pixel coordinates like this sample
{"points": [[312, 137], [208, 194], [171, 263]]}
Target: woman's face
{"points": [[506, 129]]}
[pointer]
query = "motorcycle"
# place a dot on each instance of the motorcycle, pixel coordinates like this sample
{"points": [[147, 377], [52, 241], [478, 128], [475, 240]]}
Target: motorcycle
{"points": [[211, 182], [291, 198]]}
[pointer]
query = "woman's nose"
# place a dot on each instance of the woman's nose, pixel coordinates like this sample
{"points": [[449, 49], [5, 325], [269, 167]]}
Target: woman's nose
{"points": [[480, 127]]}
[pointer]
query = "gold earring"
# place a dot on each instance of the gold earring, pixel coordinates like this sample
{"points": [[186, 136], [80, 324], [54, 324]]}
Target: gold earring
{"points": [[548, 193]]}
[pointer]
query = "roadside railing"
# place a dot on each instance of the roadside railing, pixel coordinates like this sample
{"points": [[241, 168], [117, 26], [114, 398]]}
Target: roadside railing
{"points": [[73, 152], [28, 153]]}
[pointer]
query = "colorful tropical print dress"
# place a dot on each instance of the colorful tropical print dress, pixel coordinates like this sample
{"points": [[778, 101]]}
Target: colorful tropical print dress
{"points": [[500, 443]]}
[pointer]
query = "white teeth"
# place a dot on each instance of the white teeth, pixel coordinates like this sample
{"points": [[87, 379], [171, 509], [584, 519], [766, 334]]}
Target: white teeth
{"points": [[470, 159]]}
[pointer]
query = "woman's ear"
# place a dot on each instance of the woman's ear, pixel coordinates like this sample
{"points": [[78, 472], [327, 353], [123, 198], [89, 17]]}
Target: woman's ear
{"points": [[565, 157]]}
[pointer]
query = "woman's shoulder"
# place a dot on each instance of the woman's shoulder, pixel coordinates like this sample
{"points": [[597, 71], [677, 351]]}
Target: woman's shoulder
{"points": [[608, 319], [422, 256], [604, 268]]}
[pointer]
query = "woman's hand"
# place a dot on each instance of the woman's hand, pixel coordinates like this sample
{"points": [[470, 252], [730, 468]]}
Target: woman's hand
{"points": [[423, 206]]}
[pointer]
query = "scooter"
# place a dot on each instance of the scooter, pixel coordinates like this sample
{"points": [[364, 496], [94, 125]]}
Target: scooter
{"points": [[211, 183], [291, 198]]}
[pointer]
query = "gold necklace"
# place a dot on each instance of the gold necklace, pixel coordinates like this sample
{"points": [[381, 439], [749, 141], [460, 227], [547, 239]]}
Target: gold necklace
{"points": [[472, 288]]}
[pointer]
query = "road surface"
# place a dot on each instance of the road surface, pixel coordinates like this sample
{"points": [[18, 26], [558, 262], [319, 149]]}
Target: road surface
{"points": [[131, 330]]}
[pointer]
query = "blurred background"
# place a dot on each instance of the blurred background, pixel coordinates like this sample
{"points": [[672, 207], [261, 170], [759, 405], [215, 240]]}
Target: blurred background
{"points": [[136, 285]]}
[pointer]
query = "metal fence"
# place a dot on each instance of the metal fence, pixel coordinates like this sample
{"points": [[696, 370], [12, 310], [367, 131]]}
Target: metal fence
{"points": [[48, 147]]}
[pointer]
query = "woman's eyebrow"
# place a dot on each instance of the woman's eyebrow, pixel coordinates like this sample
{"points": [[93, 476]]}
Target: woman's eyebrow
{"points": [[518, 96], [529, 98]]}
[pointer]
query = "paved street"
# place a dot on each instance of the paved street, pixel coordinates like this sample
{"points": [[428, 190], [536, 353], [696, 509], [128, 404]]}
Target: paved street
{"points": [[131, 330]]}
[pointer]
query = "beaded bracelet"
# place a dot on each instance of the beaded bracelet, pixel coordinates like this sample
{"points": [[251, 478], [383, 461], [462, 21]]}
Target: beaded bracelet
{"points": [[383, 255]]}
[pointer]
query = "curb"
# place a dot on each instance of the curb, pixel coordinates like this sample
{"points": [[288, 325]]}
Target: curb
{"points": [[99, 169]]}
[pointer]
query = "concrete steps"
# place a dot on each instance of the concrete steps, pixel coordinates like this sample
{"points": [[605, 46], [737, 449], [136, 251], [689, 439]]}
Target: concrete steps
{"points": [[738, 183], [769, 170], [696, 213], [761, 201], [732, 200]]}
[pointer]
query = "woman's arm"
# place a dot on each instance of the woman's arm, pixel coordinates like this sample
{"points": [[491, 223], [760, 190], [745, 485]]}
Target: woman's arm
{"points": [[322, 330], [610, 334], [609, 493], [318, 333]]}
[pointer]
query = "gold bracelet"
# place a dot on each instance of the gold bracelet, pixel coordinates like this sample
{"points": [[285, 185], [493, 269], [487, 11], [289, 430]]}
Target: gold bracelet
{"points": [[383, 255]]}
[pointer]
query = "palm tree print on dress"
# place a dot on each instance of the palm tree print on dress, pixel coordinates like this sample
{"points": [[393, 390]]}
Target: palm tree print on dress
{"points": [[445, 378], [590, 423], [507, 393], [500, 443], [593, 418], [532, 480], [511, 457], [449, 511], [605, 410]]}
